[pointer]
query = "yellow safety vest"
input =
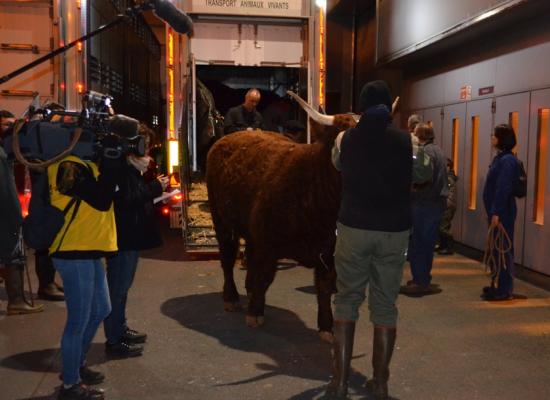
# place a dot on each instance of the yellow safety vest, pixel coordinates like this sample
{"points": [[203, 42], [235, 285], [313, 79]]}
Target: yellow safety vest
{"points": [[90, 230]]}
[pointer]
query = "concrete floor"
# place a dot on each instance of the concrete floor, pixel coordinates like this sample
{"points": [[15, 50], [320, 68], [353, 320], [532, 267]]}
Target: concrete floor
{"points": [[450, 346]]}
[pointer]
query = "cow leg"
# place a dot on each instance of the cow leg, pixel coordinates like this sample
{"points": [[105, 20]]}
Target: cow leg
{"points": [[325, 278], [228, 244], [249, 281], [261, 274]]}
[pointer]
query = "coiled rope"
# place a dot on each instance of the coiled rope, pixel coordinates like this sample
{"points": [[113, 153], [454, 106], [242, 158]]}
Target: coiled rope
{"points": [[497, 247]]}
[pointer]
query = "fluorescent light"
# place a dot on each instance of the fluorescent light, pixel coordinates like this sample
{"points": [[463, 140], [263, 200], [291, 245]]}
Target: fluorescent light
{"points": [[321, 4]]}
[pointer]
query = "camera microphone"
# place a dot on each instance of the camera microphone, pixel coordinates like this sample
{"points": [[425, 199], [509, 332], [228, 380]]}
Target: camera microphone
{"points": [[124, 126], [177, 19]]}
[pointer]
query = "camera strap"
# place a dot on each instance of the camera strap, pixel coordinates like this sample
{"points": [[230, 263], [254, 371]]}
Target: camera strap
{"points": [[76, 207], [76, 202]]}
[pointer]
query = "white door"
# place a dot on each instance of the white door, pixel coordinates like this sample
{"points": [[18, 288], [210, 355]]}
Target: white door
{"points": [[514, 110], [537, 216], [452, 144], [477, 154]]}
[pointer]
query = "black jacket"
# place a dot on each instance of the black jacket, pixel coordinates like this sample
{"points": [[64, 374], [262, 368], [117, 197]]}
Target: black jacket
{"points": [[10, 209], [376, 166], [238, 119], [134, 212]]}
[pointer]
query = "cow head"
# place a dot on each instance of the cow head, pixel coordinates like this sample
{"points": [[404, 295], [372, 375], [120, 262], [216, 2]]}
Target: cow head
{"points": [[325, 128]]}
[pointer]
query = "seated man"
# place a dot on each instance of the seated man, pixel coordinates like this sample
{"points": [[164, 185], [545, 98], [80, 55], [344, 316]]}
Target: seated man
{"points": [[245, 116]]}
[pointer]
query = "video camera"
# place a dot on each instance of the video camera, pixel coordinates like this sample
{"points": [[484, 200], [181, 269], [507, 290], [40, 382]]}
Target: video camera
{"points": [[50, 130]]}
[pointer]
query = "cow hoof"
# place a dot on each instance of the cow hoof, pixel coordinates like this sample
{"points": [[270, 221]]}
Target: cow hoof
{"points": [[255, 322], [231, 307], [326, 336]]}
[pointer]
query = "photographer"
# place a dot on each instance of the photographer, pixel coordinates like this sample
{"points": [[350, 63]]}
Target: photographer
{"points": [[89, 233], [136, 230], [11, 251]]}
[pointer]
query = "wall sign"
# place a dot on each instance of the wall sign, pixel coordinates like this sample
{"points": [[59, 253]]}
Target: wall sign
{"points": [[466, 93], [274, 8], [486, 90]]}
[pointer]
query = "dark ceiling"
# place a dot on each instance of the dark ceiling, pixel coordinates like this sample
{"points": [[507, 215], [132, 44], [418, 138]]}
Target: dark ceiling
{"points": [[343, 7]]}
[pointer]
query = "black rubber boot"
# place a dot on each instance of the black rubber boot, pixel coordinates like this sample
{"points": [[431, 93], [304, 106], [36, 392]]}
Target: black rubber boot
{"points": [[382, 350], [17, 303], [344, 332]]}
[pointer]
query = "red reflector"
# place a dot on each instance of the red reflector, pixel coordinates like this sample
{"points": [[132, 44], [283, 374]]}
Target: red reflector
{"points": [[165, 210], [24, 199]]}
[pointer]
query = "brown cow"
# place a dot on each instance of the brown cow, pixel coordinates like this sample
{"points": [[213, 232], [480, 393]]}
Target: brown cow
{"points": [[282, 198]]}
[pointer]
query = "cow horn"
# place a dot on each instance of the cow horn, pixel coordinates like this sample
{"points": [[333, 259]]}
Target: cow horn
{"points": [[322, 119]]}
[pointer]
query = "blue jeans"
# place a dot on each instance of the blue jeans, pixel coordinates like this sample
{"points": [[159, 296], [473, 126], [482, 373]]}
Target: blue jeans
{"points": [[88, 304], [425, 225], [505, 279], [121, 270]]}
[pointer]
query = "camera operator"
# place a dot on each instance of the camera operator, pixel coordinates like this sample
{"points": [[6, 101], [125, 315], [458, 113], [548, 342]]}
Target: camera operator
{"points": [[89, 234], [11, 251], [136, 230]]}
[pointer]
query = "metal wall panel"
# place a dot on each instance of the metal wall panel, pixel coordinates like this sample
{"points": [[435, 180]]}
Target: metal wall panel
{"points": [[482, 75], [458, 112], [454, 80], [523, 69], [426, 93], [513, 72], [537, 235], [477, 155], [517, 103]]}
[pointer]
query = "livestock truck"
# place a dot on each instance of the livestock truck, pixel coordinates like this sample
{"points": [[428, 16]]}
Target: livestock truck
{"points": [[270, 45]]}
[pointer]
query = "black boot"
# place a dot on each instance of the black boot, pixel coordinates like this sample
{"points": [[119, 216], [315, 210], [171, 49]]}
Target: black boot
{"points": [[382, 350], [344, 332], [17, 303]]}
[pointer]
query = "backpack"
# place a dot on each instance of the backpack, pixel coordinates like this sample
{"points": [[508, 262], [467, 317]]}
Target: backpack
{"points": [[44, 221], [423, 166], [520, 186]]}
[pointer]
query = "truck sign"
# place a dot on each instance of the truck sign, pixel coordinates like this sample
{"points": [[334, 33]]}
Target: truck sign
{"points": [[273, 8]]}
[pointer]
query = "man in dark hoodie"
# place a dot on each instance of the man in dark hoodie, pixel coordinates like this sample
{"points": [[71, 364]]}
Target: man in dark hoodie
{"points": [[375, 160]]}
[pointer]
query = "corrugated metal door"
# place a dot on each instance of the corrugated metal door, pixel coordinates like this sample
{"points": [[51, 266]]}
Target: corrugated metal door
{"points": [[477, 155], [537, 216], [514, 110], [453, 147]]}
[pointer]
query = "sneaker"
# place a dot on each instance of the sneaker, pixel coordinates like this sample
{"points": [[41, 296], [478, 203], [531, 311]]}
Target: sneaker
{"points": [[80, 392], [132, 336], [89, 376], [123, 350]]}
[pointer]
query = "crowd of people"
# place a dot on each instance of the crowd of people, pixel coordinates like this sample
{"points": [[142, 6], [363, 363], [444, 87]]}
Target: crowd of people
{"points": [[413, 204], [110, 216]]}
